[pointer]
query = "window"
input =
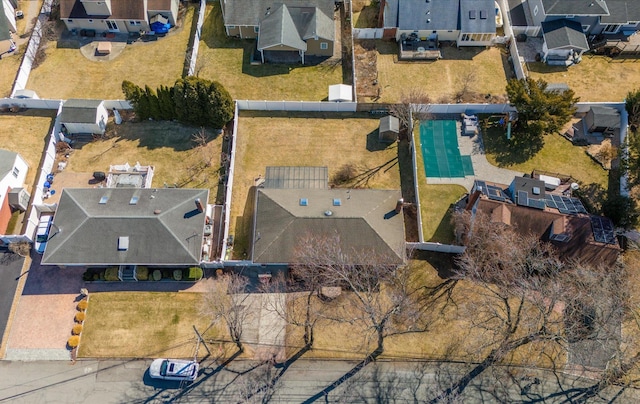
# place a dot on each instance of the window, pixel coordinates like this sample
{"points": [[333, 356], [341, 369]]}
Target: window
{"points": [[324, 45], [231, 26], [134, 23], [535, 10], [585, 28], [256, 29], [611, 28], [111, 25], [15, 172]]}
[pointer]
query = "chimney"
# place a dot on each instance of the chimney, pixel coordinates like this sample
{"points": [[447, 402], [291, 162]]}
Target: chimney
{"points": [[399, 205], [199, 205]]}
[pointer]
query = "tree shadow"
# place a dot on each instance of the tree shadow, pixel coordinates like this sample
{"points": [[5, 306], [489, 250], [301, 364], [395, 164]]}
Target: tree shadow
{"points": [[443, 263], [520, 148], [373, 142]]}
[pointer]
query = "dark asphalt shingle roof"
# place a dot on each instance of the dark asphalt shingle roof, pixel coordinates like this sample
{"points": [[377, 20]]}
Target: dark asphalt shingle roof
{"points": [[362, 221], [435, 15], [621, 12], [251, 12], [564, 34], [389, 123], [605, 117], [477, 16], [4, 25], [164, 227], [80, 111], [575, 7]]}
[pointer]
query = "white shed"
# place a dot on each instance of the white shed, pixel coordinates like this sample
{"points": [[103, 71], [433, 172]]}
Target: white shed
{"points": [[84, 116], [340, 93]]}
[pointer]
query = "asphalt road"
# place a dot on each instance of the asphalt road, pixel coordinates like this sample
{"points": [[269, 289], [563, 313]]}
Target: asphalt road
{"points": [[10, 267], [304, 381]]}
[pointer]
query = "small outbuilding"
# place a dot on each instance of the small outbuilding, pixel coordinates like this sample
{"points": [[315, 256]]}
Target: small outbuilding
{"points": [[340, 93], [602, 119], [84, 116], [389, 129]]}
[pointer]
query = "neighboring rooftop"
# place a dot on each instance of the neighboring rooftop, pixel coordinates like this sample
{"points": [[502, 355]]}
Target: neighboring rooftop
{"points": [[80, 111], [621, 12], [251, 12], [7, 159], [432, 15], [120, 10], [477, 16], [606, 117], [575, 7], [564, 33]]}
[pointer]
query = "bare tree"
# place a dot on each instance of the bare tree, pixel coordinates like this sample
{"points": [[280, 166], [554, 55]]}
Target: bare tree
{"points": [[413, 104], [468, 79], [228, 301], [200, 140]]}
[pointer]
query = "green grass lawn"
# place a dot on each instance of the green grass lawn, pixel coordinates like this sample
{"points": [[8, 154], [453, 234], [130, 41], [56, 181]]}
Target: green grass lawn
{"points": [[142, 325], [288, 139], [167, 146], [596, 78], [66, 73], [227, 60], [558, 155], [435, 202]]}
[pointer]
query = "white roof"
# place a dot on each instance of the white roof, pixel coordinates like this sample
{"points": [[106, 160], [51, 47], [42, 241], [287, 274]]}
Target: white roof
{"points": [[340, 92]]}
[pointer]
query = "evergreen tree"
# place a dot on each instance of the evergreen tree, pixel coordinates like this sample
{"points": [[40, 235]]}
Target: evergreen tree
{"points": [[154, 105]]}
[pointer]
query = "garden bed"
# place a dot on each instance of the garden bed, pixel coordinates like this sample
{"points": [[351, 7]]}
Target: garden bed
{"points": [[144, 273]]}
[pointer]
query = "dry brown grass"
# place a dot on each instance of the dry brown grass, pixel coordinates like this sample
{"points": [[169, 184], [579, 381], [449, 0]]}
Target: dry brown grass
{"points": [[441, 79], [153, 63], [26, 134], [166, 145], [9, 65], [143, 325], [596, 78], [331, 140]]}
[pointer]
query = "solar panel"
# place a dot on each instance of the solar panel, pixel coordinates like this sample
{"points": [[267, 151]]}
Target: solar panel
{"points": [[551, 202], [495, 193], [566, 205], [537, 203], [523, 198], [603, 230]]}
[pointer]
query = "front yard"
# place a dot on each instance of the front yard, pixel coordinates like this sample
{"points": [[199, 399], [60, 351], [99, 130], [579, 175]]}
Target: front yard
{"points": [[595, 79], [66, 73], [227, 60], [315, 139], [168, 146]]}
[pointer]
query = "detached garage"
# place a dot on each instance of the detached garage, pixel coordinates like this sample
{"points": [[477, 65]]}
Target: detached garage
{"points": [[84, 116]]}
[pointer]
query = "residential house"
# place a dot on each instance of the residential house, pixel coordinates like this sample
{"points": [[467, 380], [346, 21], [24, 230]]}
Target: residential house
{"points": [[285, 30], [534, 207], [13, 171], [84, 116], [7, 26], [295, 202], [127, 227], [564, 42], [598, 123], [467, 22], [116, 15]]}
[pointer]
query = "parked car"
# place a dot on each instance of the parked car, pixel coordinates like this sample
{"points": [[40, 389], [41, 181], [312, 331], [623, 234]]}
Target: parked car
{"points": [[174, 369], [42, 233]]}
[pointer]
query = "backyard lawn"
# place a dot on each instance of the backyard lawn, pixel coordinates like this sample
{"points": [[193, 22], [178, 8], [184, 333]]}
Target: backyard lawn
{"points": [[26, 133], [152, 63], [481, 68], [558, 155], [227, 60], [596, 78], [292, 139], [167, 146], [143, 325], [9, 65]]}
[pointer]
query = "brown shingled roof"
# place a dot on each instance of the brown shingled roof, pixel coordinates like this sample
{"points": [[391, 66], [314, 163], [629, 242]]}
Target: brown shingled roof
{"points": [[120, 10]]}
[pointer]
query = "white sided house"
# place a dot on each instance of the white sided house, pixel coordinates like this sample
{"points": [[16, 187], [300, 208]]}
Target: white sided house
{"points": [[84, 116], [13, 171]]}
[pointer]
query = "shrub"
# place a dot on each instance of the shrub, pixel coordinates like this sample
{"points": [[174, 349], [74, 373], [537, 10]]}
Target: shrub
{"points": [[73, 341], [111, 274], [166, 273], [193, 273], [96, 276], [77, 329], [142, 273], [82, 305], [88, 275], [177, 274], [101, 275], [157, 275], [80, 316]]}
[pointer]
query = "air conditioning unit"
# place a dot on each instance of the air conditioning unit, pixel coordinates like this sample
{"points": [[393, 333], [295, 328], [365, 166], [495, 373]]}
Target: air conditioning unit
{"points": [[208, 230]]}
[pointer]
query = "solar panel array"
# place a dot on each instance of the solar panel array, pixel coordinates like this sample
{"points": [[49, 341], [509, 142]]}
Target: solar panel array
{"points": [[564, 204], [603, 230], [491, 191]]}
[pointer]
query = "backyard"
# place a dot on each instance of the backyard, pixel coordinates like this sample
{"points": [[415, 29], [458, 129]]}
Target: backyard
{"points": [[315, 139], [595, 79], [168, 146], [227, 60], [143, 325], [474, 71], [152, 63], [9, 65]]}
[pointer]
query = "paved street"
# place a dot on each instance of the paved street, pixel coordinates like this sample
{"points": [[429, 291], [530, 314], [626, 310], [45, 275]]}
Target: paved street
{"points": [[303, 381]]}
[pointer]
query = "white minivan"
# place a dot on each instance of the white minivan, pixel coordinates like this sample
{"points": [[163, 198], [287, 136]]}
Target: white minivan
{"points": [[42, 233]]}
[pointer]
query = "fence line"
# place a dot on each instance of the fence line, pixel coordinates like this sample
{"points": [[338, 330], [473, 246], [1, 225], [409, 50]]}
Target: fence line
{"points": [[353, 56], [516, 60], [319, 106], [196, 41], [528, 31], [368, 33], [463, 108], [229, 185], [437, 247]]}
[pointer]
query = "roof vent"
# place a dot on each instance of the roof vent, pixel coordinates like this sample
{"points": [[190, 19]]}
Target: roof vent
{"points": [[328, 213], [337, 202], [157, 212], [536, 190], [304, 202], [123, 243], [103, 200], [134, 200]]}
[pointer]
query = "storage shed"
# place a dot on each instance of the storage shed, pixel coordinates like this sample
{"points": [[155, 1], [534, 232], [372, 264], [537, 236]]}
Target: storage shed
{"points": [[340, 93], [389, 129], [84, 116]]}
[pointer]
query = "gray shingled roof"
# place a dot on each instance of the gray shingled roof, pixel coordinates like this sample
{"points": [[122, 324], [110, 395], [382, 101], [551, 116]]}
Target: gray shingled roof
{"points": [[251, 12], [278, 28], [389, 123], [7, 159], [575, 7], [390, 14], [564, 34], [365, 220], [621, 12], [164, 227], [605, 117], [434, 15], [313, 23], [477, 16], [4, 25], [80, 111]]}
